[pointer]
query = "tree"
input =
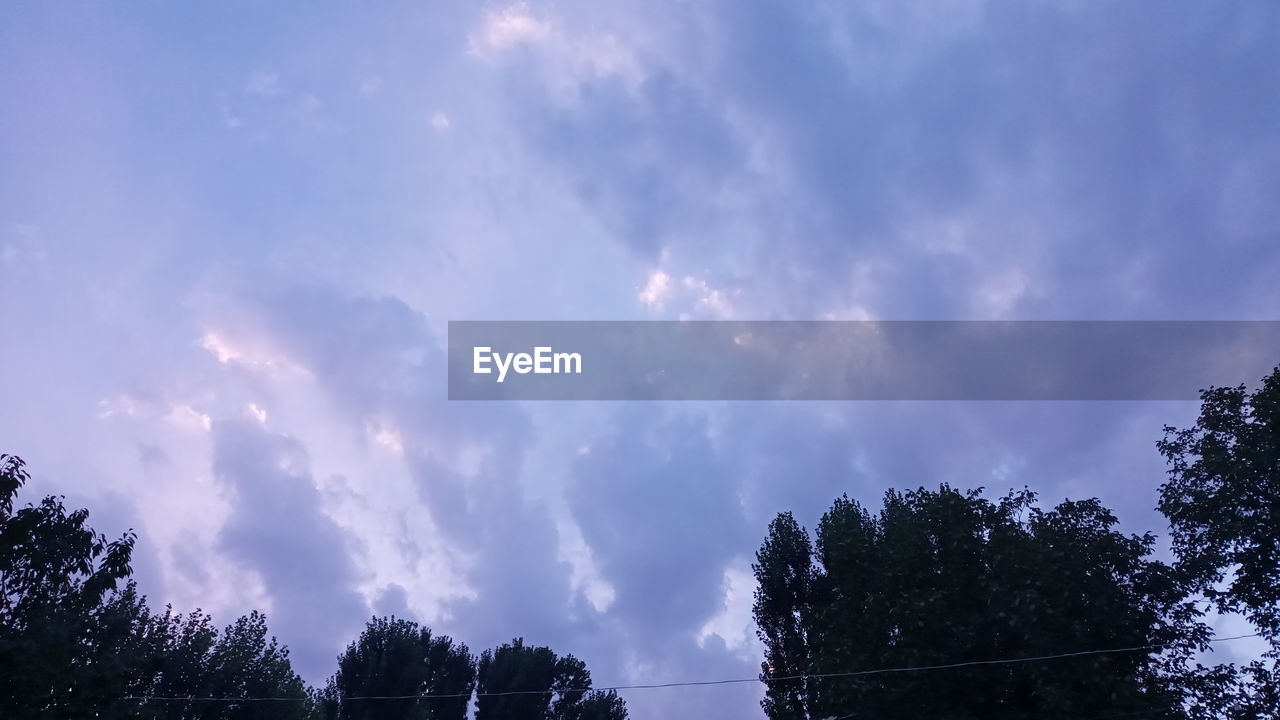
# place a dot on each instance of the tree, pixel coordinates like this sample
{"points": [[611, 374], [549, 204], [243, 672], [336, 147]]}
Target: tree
{"points": [[1222, 499], [542, 686], [573, 701], [942, 577], [785, 576], [516, 668], [55, 572], [240, 664], [73, 644], [569, 683], [246, 663], [602, 705], [394, 658], [156, 657]]}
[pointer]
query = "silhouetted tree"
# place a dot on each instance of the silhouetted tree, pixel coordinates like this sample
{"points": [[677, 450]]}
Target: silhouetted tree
{"points": [[1222, 499], [55, 573], [73, 645], [785, 576], [394, 658], [941, 577], [542, 686], [602, 705], [569, 683], [516, 668]]}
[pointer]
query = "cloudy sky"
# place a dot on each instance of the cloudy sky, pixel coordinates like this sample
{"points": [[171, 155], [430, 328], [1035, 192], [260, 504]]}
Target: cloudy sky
{"points": [[231, 236]]}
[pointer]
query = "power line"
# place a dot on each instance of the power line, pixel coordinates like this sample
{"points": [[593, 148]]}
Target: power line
{"points": [[704, 683], [1155, 711], [971, 663]]}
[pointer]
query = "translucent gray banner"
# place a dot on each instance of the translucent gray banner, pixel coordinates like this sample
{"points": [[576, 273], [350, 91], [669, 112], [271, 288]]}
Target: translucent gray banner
{"points": [[855, 360]]}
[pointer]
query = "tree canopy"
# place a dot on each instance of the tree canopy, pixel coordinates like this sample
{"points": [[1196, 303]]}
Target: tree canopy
{"points": [[395, 658], [55, 573], [77, 640], [74, 642], [1018, 610], [1222, 499], [541, 686], [939, 577], [946, 577]]}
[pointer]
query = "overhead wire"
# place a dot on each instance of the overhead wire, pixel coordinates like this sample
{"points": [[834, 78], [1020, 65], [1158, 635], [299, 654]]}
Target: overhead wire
{"points": [[702, 683]]}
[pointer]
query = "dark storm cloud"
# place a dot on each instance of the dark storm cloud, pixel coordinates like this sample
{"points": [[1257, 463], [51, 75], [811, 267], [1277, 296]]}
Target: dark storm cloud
{"points": [[1114, 160], [279, 531], [378, 359], [393, 601], [644, 162], [1119, 153], [801, 458], [658, 501], [659, 506]]}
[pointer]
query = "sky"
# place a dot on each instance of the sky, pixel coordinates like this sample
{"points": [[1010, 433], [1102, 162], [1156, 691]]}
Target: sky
{"points": [[232, 234]]}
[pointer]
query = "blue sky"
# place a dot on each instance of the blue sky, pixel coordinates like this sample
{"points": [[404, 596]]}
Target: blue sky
{"points": [[231, 237]]}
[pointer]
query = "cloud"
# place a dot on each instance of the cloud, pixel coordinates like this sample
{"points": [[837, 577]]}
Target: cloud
{"points": [[860, 124], [252, 351], [734, 624], [189, 419], [276, 521], [508, 27], [657, 505], [655, 289], [562, 53], [378, 360], [257, 413], [279, 292], [393, 601], [669, 159], [265, 83]]}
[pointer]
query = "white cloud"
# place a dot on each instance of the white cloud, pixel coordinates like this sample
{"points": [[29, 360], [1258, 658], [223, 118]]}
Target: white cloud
{"points": [[998, 294], [566, 56], [121, 404], [733, 623], [708, 300], [253, 355], [585, 577], [439, 121], [189, 419], [657, 288], [693, 296], [388, 437], [256, 413], [508, 27], [220, 348], [263, 83]]}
